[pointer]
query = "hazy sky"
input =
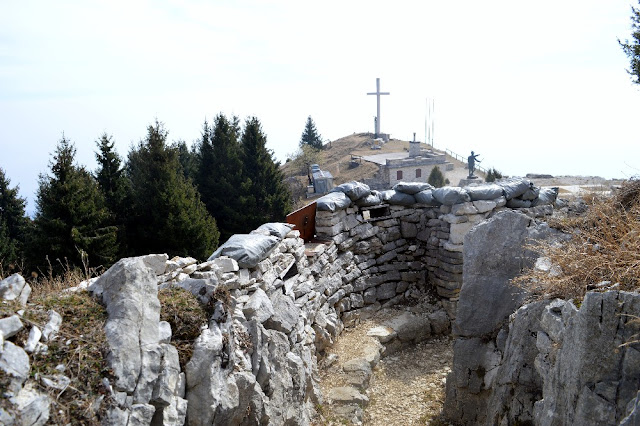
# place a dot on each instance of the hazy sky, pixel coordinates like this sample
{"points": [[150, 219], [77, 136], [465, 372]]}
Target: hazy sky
{"points": [[532, 86]]}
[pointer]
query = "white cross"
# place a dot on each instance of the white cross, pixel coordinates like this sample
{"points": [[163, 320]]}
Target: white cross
{"points": [[378, 93]]}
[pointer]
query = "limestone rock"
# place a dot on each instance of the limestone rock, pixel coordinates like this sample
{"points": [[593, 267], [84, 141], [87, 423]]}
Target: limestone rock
{"points": [[131, 297], [285, 313], [258, 307], [31, 406], [9, 326], [383, 333], [14, 362], [156, 262], [588, 376], [164, 332], [34, 338], [347, 395], [15, 287], [52, 327], [410, 327], [493, 255]]}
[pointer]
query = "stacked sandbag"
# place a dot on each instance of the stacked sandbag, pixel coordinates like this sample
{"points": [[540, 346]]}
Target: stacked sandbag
{"points": [[522, 193]]}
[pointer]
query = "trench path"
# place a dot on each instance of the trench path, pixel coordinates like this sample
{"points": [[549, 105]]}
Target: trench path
{"points": [[407, 387]]}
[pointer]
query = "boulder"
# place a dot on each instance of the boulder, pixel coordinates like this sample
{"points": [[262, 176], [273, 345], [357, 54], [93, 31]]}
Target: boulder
{"points": [[494, 253], [130, 294]]}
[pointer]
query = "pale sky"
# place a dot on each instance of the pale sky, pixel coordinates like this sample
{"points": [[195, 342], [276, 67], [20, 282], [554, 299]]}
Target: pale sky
{"points": [[533, 87]]}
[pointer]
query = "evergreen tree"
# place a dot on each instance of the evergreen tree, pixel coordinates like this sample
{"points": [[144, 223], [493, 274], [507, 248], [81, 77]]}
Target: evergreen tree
{"points": [[436, 178], [110, 175], [267, 197], [114, 185], [490, 176], [310, 135], [188, 159], [167, 213], [220, 177], [493, 175], [632, 48], [71, 215], [14, 224]]}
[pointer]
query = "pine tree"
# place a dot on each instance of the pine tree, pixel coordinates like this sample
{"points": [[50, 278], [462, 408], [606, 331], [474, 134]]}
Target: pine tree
{"points": [[14, 224], [632, 48], [220, 177], [436, 178], [188, 159], [114, 185], [110, 174], [167, 213], [71, 215], [310, 135], [267, 197]]}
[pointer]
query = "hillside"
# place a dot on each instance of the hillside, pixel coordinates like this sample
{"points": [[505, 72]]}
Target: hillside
{"points": [[336, 159]]}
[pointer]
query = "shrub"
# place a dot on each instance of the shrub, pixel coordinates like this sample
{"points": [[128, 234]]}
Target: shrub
{"points": [[436, 178], [493, 175]]}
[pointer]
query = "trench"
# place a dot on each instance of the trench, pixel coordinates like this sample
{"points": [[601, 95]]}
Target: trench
{"points": [[406, 384]]}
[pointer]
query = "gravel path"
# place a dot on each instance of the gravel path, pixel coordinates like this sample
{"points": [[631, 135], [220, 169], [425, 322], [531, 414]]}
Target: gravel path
{"points": [[408, 387]]}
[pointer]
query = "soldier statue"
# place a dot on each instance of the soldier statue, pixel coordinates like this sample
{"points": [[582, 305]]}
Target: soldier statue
{"points": [[471, 160]]}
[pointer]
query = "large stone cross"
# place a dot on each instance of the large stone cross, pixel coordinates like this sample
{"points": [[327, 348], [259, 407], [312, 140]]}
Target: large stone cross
{"points": [[378, 93]]}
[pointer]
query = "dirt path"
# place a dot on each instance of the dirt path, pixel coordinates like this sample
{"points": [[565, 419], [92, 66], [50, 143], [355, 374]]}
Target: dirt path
{"points": [[406, 387]]}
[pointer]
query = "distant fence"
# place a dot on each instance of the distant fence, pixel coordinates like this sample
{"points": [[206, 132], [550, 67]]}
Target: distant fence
{"points": [[464, 160]]}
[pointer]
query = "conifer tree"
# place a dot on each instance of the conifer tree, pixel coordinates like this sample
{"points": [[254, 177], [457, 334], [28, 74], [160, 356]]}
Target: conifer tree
{"points": [[188, 159], [71, 216], [14, 224], [220, 177], [115, 187], [167, 213], [632, 48], [267, 198], [310, 135], [436, 178]]}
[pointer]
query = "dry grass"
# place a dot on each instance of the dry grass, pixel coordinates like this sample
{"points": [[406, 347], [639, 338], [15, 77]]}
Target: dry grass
{"points": [[79, 350], [186, 315], [605, 246]]}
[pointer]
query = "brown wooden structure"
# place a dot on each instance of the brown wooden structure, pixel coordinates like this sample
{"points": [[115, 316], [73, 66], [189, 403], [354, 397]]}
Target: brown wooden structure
{"points": [[304, 220]]}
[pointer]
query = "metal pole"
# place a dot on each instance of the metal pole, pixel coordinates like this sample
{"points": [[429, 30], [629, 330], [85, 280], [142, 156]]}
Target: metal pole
{"points": [[378, 98]]}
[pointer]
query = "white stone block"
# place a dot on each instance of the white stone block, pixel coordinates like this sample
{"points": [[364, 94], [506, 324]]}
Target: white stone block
{"points": [[484, 206], [463, 209], [458, 231], [226, 264]]}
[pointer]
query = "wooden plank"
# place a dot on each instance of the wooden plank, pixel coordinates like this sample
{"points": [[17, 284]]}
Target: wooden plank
{"points": [[304, 220]]}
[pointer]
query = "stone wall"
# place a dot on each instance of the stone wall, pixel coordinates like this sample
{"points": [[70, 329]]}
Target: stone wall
{"points": [[255, 360]]}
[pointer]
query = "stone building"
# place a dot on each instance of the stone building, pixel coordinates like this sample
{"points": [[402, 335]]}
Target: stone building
{"points": [[414, 166]]}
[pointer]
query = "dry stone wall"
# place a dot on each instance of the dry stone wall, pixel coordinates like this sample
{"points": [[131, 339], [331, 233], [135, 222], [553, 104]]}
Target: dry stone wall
{"points": [[255, 361]]}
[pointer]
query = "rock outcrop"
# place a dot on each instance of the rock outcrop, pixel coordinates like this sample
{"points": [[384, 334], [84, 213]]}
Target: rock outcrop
{"points": [[543, 363]]}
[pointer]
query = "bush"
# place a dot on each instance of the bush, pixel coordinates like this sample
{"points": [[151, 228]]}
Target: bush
{"points": [[493, 175], [436, 178]]}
